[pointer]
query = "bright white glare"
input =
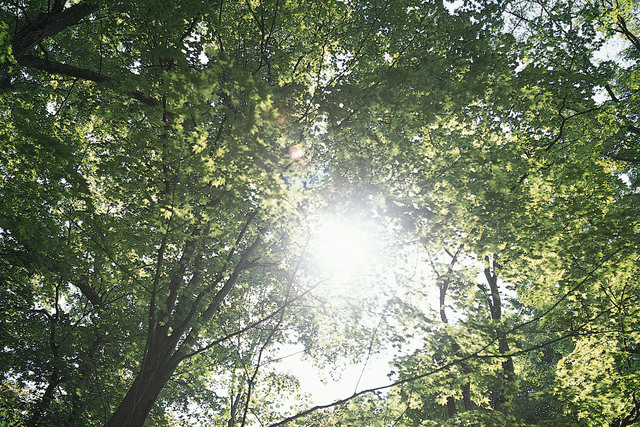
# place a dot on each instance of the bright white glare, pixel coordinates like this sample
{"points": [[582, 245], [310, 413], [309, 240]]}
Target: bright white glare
{"points": [[611, 50], [342, 245], [453, 5], [203, 58], [321, 385]]}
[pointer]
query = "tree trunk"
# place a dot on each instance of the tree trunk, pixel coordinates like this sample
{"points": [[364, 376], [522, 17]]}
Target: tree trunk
{"points": [[158, 366], [49, 24], [163, 353], [466, 387], [42, 406], [495, 308]]}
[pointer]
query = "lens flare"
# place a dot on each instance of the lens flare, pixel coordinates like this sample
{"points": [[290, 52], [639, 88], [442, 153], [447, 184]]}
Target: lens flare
{"points": [[296, 152]]}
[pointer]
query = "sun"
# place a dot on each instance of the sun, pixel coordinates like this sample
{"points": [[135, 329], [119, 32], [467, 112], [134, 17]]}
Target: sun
{"points": [[342, 245]]}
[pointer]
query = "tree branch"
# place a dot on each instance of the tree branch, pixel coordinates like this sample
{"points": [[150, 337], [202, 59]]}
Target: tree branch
{"points": [[622, 24], [52, 67], [49, 24]]}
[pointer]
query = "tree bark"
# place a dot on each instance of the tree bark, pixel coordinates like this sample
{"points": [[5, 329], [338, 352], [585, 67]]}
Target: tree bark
{"points": [[42, 406], [158, 366], [495, 308], [47, 25], [166, 350], [466, 387]]}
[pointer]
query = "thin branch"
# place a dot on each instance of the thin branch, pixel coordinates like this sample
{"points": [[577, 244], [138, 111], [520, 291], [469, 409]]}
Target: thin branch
{"points": [[381, 319], [252, 325], [380, 388], [190, 29], [476, 355], [52, 67], [566, 295]]}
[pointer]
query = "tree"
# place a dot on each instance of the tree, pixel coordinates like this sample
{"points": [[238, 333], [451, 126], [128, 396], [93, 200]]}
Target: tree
{"points": [[552, 145], [160, 173], [531, 185], [180, 154]]}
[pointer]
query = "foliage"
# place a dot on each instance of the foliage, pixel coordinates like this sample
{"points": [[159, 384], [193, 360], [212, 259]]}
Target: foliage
{"points": [[168, 167]]}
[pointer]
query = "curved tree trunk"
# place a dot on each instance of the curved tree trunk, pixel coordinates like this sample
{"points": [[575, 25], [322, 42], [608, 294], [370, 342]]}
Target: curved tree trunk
{"points": [[455, 347], [495, 308]]}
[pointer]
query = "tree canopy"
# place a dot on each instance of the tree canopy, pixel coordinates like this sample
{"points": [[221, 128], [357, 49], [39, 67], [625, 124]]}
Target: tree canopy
{"points": [[189, 188]]}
